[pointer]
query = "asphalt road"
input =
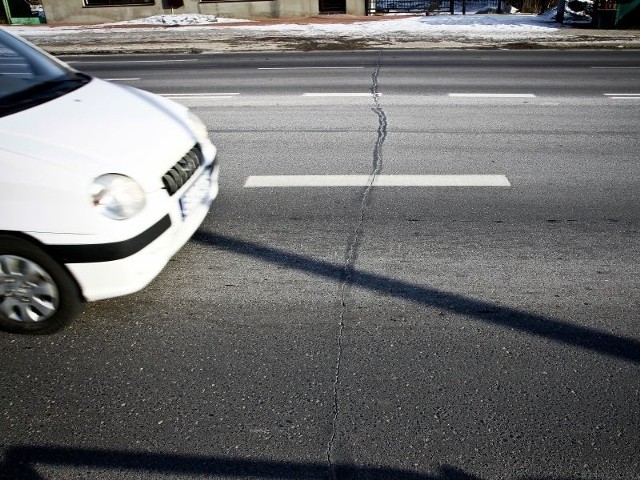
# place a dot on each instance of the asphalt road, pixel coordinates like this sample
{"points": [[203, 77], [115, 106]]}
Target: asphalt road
{"points": [[409, 332]]}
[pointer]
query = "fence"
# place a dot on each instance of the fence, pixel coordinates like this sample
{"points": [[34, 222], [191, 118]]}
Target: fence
{"points": [[415, 6]]}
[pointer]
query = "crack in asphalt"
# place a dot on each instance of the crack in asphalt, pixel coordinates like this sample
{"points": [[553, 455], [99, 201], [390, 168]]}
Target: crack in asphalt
{"points": [[352, 254]]}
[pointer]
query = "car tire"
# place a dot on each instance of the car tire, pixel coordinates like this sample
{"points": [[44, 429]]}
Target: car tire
{"points": [[37, 294]]}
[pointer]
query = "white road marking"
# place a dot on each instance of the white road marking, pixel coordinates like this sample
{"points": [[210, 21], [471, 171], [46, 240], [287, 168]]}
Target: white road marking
{"points": [[133, 61], [337, 94], [623, 96], [615, 68], [309, 68], [492, 95], [274, 181], [180, 96]]}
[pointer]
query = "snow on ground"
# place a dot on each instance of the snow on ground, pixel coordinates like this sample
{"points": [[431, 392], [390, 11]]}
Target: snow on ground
{"points": [[513, 27], [179, 20], [466, 26], [202, 33]]}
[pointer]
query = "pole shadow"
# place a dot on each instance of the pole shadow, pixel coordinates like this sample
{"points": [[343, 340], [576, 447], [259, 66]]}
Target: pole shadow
{"points": [[21, 463], [487, 312]]}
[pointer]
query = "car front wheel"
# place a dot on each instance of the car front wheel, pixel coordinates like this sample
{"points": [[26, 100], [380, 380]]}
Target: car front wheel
{"points": [[37, 295]]}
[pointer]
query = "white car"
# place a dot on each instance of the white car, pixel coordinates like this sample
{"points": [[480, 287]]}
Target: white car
{"points": [[100, 185]]}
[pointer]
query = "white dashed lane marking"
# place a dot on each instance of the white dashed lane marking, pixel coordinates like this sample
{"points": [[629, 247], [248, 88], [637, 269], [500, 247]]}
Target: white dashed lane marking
{"points": [[623, 96], [310, 68], [340, 94], [281, 181], [492, 95], [180, 96]]}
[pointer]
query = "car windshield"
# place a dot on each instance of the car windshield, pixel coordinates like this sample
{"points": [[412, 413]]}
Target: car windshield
{"points": [[29, 77]]}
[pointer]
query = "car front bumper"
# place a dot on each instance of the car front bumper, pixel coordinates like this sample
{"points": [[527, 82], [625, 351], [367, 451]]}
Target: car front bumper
{"points": [[112, 270]]}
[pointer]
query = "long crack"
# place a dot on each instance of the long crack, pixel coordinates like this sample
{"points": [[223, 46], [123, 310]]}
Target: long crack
{"points": [[352, 255]]}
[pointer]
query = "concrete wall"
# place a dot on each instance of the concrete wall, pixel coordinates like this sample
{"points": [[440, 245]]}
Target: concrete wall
{"points": [[74, 11], [261, 9], [298, 8], [356, 7]]}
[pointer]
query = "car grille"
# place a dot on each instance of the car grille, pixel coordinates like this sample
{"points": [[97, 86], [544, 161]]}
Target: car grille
{"points": [[182, 171]]}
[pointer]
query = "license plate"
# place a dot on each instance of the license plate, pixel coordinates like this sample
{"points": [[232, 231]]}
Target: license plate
{"points": [[196, 195]]}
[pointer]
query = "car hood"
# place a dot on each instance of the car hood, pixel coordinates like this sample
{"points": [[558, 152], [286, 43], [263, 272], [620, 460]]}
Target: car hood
{"points": [[103, 128]]}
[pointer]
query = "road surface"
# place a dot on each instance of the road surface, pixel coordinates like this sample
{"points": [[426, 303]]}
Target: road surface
{"points": [[421, 265]]}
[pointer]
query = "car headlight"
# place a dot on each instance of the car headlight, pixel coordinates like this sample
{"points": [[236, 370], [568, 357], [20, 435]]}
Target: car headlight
{"points": [[117, 196], [198, 127]]}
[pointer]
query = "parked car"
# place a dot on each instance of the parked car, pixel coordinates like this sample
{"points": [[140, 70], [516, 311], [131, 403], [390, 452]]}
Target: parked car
{"points": [[100, 185]]}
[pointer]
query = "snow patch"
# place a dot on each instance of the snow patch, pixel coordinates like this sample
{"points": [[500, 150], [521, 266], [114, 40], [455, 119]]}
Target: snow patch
{"points": [[431, 28], [178, 20]]}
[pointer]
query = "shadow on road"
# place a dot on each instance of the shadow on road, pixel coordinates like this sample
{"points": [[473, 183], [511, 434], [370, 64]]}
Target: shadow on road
{"points": [[552, 329], [20, 462]]}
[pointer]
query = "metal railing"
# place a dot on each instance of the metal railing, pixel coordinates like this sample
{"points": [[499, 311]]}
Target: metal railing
{"points": [[416, 6]]}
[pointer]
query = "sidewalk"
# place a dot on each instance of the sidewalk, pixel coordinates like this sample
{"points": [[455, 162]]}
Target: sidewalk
{"points": [[328, 32]]}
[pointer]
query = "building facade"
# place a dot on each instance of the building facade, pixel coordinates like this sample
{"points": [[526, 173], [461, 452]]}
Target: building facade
{"points": [[102, 11]]}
